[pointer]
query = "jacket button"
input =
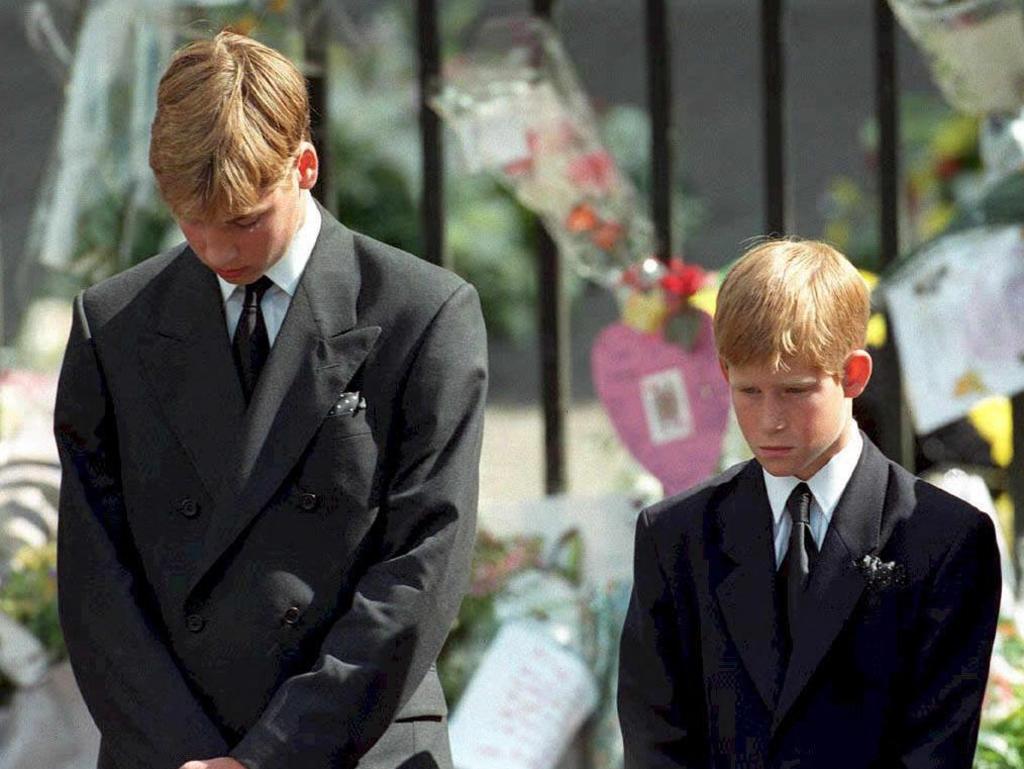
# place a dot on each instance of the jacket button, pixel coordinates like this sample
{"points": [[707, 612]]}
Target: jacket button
{"points": [[194, 622], [292, 615], [308, 500], [188, 507]]}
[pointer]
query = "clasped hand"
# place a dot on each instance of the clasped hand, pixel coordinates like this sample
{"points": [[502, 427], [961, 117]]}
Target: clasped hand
{"points": [[224, 762]]}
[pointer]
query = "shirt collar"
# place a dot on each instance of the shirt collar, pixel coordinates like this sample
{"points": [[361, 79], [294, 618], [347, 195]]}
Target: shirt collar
{"points": [[287, 270], [826, 485]]}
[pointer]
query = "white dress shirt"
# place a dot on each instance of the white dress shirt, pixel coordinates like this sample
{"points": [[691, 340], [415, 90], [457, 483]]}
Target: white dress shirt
{"points": [[826, 485], [285, 274]]}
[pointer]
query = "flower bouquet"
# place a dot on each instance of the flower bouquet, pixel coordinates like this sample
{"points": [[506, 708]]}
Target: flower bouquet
{"points": [[975, 49], [532, 641], [30, 634], [1001, 737], [520, 114]]}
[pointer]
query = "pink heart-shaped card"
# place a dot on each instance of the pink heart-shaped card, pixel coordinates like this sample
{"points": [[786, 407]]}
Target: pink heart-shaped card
{"points": [[668, 404]]}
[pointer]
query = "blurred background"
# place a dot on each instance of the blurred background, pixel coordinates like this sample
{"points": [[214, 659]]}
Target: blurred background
{"points": [[905, 175]]}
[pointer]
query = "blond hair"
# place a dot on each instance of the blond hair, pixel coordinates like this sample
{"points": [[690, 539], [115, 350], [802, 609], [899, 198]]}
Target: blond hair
{"points": [[791, 300], [230, 115]]}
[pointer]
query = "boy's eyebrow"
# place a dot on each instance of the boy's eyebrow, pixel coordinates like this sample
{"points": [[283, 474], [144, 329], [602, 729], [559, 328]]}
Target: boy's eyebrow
{"points": [[250, 214]]}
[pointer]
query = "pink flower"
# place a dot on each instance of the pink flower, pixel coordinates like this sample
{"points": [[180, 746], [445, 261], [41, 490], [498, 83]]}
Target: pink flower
{"points": [[594, 169]]}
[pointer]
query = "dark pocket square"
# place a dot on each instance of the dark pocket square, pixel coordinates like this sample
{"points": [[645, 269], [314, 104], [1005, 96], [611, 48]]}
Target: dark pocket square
{"points": [[349, 404]]}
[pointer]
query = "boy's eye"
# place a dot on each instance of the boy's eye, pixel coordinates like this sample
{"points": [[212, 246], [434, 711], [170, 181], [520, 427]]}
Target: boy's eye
{"points": [[749, 390], [249, 221]]}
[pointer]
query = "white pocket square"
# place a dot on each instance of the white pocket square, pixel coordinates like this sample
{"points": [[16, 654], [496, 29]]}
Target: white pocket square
{"points": [[349, 403]]}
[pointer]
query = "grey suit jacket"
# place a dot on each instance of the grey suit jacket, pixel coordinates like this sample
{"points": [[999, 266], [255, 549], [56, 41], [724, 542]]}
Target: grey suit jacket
{"points": [[274, 583], [882, 673]]}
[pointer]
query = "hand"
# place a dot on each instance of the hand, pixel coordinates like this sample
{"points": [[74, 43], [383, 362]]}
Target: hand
{"points": [[224, 762]]}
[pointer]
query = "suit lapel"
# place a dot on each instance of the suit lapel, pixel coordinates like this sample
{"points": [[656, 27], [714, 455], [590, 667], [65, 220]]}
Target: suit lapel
{"points": [[186, 358], [836, 583], [313, 358], [745, 596]]}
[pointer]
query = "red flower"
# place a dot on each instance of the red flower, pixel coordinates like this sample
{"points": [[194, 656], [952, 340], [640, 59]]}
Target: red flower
{"points": [[683, 280], [631, 276], [607, 235], [947, 168], [581, 219]]}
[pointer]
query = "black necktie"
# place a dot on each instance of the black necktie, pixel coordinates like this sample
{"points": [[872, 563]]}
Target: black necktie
{"points": [[251, 345], [802, 552]]}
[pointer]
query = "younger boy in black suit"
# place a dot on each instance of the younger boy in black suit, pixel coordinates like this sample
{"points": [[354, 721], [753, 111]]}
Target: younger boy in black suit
{"points": [[817, 606]]}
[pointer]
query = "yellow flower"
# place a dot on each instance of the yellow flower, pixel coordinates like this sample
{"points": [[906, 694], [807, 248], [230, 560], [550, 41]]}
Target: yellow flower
{"points": [[936, 220], [993, 421], [838, 233], [956, 137], [706, 299], [645, 312], [877, 330], [29, 558], [244, 24]]}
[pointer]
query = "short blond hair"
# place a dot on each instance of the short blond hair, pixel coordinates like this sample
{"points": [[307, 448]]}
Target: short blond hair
{"points": [[791, 300], [230, 115]]}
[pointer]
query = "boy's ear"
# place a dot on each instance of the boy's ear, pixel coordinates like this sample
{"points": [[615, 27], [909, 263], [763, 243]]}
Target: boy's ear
{"points": [[724, 367], [308, 166], [856, 373]]}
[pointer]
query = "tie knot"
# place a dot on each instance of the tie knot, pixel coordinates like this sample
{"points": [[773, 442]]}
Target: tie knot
{"points": [[799, 504], [254, 291]]}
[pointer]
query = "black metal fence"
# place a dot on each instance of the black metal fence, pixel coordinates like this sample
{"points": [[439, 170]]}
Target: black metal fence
{"points": [[892, 429]]}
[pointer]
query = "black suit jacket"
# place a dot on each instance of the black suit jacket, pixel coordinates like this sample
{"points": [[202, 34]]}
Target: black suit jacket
{"points": [[880, 676], [273, 583]]}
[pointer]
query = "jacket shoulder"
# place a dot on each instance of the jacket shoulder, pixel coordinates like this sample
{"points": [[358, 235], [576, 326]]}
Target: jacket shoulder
{"points": [[412, 282], [109, 297], [933, 517], [400, 265]]}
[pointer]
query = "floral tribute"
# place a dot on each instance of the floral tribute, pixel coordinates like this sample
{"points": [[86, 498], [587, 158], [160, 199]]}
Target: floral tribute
{"points": [[520, 114]]}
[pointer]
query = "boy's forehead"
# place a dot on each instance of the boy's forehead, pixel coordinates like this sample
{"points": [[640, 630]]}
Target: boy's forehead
{"points": [[198, 215], [794, 371]]}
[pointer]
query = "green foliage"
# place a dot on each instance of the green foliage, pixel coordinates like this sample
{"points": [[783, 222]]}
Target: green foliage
{"points": [[1001, 737], [940, 158], [29, 597], [101, 249], [1001, 743]]}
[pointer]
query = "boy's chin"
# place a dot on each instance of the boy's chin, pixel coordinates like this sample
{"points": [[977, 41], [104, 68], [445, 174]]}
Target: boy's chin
{"points": [[779, 465]]}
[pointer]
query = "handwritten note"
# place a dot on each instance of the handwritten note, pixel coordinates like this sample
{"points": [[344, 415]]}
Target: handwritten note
{"points": [[523, 705], [957, 311]]}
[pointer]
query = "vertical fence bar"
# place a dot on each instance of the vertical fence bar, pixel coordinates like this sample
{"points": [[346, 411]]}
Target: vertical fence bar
{"points": [[316, 60], [659, 87], [432, 199], [553, 319], [895, 435], [887, 108], [773, 97]]}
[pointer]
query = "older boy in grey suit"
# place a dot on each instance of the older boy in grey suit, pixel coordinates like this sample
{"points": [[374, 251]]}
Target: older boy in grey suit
{"points": [[270, 438]]}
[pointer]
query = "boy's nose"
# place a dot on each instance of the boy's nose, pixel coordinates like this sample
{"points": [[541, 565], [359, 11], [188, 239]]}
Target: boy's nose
{"points": [[220, 252], [773, 421]]}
